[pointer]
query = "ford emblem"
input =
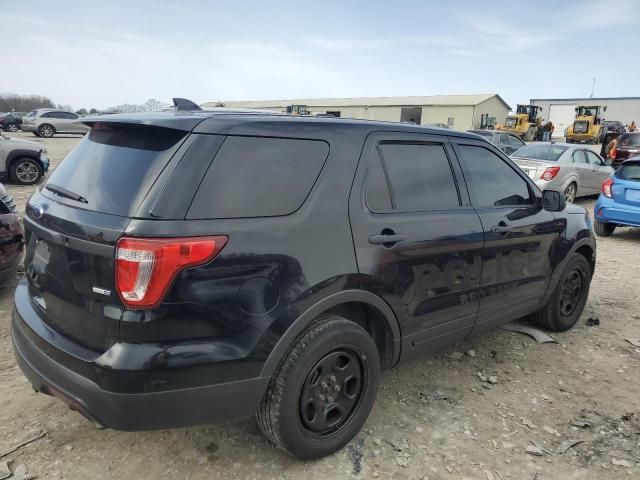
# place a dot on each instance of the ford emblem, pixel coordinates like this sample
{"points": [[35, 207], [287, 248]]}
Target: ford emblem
{"points": [[37, 210]]}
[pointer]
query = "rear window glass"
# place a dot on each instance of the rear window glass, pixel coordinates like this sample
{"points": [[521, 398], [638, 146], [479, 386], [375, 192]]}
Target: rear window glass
{"points": [[483, 134], [259, 177], [543, 151], [630, 140], [629, 171], [114, 166]]}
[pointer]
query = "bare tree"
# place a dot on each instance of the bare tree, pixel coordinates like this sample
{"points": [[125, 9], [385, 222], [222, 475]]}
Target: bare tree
{"points": [[153, 105], [11, 102]]}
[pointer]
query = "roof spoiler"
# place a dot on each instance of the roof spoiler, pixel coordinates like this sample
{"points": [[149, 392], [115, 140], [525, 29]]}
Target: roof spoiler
{"points": [[184, 104]]}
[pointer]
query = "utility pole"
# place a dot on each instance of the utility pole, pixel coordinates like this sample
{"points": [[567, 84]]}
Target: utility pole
{"points": [[593, 87]]}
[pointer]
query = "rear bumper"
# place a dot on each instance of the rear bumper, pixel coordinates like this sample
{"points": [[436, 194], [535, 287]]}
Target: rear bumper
{"points": [[609, 211], [127, 411]]}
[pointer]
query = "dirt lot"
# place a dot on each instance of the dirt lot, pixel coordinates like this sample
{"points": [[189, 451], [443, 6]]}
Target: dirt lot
{"points": [[434, 418]]}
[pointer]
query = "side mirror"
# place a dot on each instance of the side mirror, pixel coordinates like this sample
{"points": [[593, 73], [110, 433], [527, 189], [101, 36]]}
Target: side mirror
{"points": [[553, 201]]}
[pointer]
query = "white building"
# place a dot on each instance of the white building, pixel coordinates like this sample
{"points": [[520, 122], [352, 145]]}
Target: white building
{"points": [[461, 112], [561, 111]]}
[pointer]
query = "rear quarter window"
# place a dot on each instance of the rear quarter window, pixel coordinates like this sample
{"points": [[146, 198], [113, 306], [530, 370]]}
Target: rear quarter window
{"points": [[259, 177]]}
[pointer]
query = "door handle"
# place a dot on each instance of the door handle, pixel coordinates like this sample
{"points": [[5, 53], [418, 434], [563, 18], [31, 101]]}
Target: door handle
{"points": [[501, 228], [386, 238]]}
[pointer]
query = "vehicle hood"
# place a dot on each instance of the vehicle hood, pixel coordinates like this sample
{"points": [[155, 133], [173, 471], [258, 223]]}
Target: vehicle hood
{"points": [[574, 209], [24, 144]]}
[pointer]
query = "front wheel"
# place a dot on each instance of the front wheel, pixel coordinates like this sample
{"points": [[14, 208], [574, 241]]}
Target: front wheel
{"points": [[603, 229], [11, 127], [26, 171], [568, 298], [323, 390]]}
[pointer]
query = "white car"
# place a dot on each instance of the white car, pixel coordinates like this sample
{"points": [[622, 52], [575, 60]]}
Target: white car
{"points": [[23, 161]]}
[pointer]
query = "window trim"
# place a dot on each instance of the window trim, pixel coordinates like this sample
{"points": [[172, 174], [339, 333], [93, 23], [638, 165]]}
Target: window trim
{"points": [[535, 194], [411, 139]]}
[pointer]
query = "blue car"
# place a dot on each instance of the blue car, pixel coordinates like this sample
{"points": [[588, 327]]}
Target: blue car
{"points": [[619, 202]]}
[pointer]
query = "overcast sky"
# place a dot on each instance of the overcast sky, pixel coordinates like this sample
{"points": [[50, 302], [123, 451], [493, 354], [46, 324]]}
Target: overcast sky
{"points": [[99, 54]]}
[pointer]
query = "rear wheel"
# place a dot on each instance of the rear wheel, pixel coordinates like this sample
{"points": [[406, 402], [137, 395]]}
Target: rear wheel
{"points": [[568, 298], [570, 192], [45, 130], [11, 127], [323, 390], [26, 171], [603, 229]]}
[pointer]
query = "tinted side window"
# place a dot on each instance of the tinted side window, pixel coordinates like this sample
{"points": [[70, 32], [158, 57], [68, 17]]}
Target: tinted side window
{"points": [[68, 116], [491, 181], [259, 177], [516, 142], [420, 176], [378, 197]]}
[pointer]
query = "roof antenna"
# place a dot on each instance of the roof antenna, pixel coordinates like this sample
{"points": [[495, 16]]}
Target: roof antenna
{"points": [[184, 104]]}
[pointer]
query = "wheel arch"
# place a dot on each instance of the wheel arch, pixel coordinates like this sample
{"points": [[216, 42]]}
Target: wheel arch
{"points": [[364, 308], [584, 247], [17, 154]]}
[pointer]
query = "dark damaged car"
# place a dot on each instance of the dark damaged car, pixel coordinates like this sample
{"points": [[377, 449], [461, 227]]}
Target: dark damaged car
{"points": [[184, 268]]}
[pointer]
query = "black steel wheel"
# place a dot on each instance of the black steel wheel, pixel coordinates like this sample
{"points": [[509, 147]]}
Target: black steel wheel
{"points": [[323, 390], [571, 293], [568, 298], [331, 392]]}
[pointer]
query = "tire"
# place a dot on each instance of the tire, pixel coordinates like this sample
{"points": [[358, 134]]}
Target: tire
{"points": [[26, 171], [11, 127], [332, 368], [565, 307], [45, 130], [530, 135], [571, 192], [603, 229]]}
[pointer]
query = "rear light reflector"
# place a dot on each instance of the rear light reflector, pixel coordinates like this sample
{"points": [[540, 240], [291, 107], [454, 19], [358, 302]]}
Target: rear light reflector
{"points": [[606, 187], [550, 173], [146, 267]]}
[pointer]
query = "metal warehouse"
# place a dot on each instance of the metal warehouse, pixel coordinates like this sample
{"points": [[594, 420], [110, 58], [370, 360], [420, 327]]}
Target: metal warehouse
{"points": [[561, 111], [461, 112]]}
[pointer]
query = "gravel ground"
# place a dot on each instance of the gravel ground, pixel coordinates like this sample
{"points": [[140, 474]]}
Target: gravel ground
{"points": [[434, 418]]}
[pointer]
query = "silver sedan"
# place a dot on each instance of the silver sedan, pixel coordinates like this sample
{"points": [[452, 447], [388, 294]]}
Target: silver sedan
{"points": [[572, 169]]}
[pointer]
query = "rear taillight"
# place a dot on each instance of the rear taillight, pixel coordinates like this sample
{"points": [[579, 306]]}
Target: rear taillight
{"points": [[613, 152], [550, 173], [606, 187], [146, 267]]}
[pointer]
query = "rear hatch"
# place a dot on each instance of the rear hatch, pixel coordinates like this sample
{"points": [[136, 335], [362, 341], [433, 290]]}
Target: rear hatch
{"points": [[628, 146], [533, 168], [74, 221], [626, 185]]}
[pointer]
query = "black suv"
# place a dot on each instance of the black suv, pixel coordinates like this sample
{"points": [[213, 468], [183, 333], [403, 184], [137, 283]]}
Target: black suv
{"points": [[189, 267]]}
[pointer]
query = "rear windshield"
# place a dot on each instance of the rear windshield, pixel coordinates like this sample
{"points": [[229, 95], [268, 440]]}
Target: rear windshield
{"points": [[629, 171], [113, 167], [541, 151], [482, 133], [629, 140]]}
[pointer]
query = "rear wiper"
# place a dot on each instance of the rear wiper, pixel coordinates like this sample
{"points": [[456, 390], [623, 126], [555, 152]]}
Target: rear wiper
{"points": [[63, 192]]}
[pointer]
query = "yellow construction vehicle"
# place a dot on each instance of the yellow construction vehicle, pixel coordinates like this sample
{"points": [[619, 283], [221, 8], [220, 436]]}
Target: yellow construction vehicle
{"points": [[525, 123], [587, 126]]}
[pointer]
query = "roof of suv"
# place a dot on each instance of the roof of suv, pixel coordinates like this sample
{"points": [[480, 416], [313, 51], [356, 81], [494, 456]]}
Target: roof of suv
{"points": [[188, 120]]}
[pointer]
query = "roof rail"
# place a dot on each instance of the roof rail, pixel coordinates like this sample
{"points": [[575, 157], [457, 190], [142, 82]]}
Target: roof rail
{"points": [[184, 104]]}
